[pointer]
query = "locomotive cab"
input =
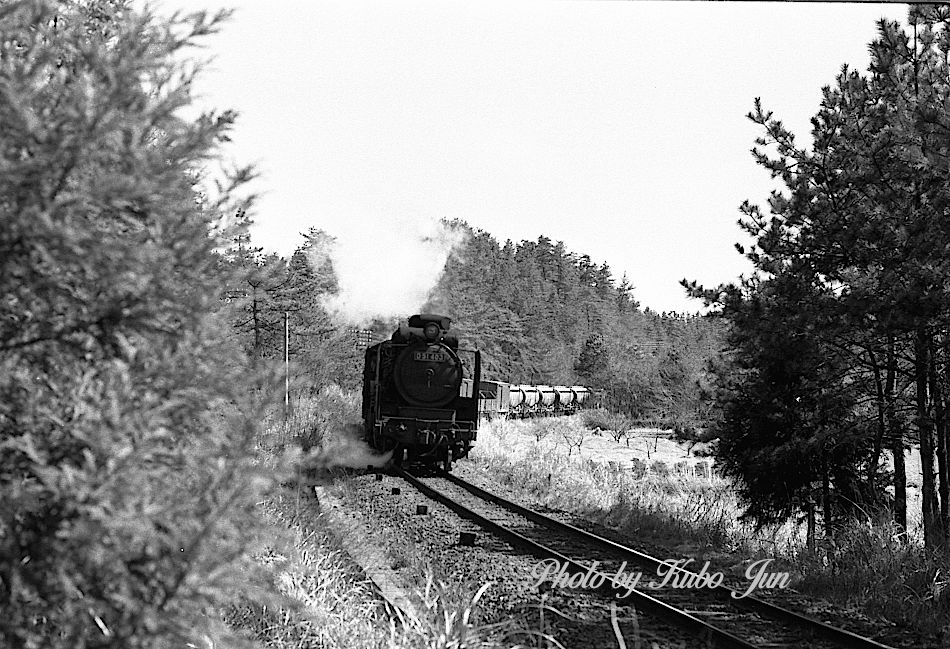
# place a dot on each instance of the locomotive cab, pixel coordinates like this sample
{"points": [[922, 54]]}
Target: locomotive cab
{"points": [[413, 403]]}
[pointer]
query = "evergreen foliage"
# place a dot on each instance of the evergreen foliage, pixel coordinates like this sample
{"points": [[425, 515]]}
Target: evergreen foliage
{"points": [[266, 289], [542, 314], [126, 488], [539, 313], [841, 336]]}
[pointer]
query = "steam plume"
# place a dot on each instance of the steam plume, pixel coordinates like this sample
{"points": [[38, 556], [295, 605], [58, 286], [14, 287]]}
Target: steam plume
{"points": [[386, 272]]}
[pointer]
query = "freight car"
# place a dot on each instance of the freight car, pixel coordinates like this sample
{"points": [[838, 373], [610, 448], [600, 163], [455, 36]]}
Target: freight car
{"points": [[497, 399], [493, 399], [415, 403], [546, 401]]}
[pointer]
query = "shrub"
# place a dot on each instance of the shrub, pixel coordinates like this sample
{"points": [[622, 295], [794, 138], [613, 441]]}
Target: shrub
{"points": [[702, 470], [660, 468], [596, 418], [543, 427], [638, 468], [573, 434], [126, 473], [618, 426], [871, 560]]}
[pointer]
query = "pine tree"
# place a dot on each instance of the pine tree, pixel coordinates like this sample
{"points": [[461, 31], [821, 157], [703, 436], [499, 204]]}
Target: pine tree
{"points": [[322, 351], [594, 359], [255, 281], [863, 226]]}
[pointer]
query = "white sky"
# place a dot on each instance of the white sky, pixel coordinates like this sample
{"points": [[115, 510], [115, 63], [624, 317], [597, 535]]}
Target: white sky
{"points": [[616, 127]]}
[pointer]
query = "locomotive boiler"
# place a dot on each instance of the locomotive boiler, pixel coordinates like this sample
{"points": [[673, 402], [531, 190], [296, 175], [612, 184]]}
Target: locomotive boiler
{"points": [[415, 404]]}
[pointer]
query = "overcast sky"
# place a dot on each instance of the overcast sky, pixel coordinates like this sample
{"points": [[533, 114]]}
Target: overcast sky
{"points": [[616, 127]]}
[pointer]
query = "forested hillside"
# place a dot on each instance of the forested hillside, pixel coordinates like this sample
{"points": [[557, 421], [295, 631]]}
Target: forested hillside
{"points": [[538, 312], [543, 314]]}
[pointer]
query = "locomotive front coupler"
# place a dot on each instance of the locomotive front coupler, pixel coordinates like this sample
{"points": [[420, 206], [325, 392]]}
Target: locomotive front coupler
{"points": [[441, 443]]}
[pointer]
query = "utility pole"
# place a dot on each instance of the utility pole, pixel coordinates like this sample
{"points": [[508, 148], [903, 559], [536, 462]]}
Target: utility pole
{"points": [[286, 364]]}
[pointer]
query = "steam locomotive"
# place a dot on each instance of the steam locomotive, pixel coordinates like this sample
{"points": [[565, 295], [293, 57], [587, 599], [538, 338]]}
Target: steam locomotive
{"points": [[420, 399], [413, 401]]}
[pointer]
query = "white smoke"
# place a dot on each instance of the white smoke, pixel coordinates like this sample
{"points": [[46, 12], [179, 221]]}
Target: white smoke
{"points": [[346, 448], [387, 271]]}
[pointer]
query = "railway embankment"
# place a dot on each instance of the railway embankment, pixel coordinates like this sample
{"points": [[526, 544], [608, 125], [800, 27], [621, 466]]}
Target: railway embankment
{"points": [[330, 572]]}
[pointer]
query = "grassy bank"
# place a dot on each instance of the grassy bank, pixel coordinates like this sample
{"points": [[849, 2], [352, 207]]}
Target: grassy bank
{"points": [[868, 565], [655, 502], [313, 594], [317, 597]]}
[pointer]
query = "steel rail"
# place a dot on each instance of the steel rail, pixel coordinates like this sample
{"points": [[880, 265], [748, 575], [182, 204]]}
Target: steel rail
{"points": [[751, 603], [705, 631]]}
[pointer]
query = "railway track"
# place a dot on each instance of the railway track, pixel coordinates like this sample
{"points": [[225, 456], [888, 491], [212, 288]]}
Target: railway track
{"points": [[712, 613]]}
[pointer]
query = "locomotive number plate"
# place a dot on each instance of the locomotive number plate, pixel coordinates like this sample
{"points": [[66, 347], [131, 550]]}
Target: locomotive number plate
{"points": [[430, 357]]}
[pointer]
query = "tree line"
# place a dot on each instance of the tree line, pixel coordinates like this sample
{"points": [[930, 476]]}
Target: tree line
{"points": [[539, 314], [839, 342]]}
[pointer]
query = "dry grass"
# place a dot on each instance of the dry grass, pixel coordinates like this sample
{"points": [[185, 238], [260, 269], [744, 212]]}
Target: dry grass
{"points": [[662, 503], [311, 422], [874, 567], [318, 599], [321, 599], [868, 564], [315, 595]]}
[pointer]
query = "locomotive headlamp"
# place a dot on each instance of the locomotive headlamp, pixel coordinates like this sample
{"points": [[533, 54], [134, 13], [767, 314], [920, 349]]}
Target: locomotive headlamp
{"points": [[432, 331]]}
